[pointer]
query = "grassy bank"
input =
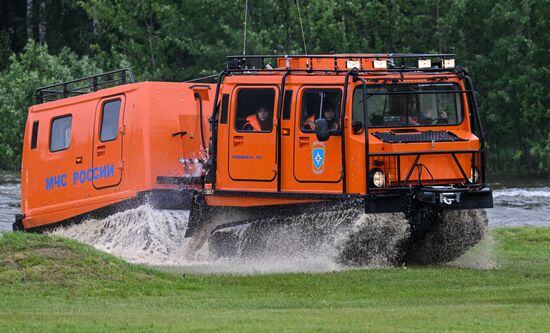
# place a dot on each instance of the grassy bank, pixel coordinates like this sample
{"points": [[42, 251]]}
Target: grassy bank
{"points": [[50, 284]]}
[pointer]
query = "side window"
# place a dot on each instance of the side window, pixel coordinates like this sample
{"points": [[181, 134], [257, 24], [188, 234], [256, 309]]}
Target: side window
{"points": [[60, 134], [109, 120], [34, 137], [320, 104], [287, 105], [255, 110], [225, 105]]}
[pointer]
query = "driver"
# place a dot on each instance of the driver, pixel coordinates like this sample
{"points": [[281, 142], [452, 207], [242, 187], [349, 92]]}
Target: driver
{"points": [[329, 114]]}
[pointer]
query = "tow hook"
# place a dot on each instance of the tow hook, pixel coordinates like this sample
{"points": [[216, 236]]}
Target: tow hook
{"points": [[449, 197]]}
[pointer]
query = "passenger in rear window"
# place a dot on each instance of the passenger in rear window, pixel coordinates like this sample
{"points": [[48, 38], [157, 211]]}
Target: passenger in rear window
{"points": [[260, 121]]}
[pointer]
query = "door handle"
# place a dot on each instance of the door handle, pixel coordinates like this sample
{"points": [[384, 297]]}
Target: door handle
{"points": [[238, 140], [100, 150], [303, 141]]}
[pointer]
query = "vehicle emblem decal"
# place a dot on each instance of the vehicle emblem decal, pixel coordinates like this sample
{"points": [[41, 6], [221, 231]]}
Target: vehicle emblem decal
{"points": [[318, 157]]}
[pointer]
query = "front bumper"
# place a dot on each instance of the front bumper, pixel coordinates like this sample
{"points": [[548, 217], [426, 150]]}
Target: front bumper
{"points": [[444, 197]]}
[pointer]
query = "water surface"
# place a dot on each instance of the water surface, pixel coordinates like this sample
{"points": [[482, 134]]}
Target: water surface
{"points": [[10, 204]]}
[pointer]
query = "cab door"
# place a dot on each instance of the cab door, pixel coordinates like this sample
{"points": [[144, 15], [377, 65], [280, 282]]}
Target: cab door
{"points": [[252, 134], [314, 161], [107, 144]]}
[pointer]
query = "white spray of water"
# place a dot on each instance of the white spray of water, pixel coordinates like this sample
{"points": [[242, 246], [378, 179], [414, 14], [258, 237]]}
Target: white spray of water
{"points": [[140, 235], [155, 237], [327, 241], [481, 256]]}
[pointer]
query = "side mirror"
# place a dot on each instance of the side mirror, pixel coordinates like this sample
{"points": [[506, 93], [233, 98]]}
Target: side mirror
{"points": [[357, 127], [321, 129]]}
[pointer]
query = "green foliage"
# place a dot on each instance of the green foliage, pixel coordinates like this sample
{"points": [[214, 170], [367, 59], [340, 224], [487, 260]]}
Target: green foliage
{"points": [[32, 68], [503, 44]]}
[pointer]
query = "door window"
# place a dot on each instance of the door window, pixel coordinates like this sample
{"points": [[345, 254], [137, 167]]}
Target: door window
{"points": [[255, 110], [318, 104], [60, 134], [109, 120]]}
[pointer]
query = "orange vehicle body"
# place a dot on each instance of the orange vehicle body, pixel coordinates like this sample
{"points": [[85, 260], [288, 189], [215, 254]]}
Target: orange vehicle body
{"points": [[183, 140], [63, 184]]}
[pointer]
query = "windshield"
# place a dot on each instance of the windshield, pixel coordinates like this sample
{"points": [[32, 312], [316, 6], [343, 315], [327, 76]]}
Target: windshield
{"points": [[408, 105]]}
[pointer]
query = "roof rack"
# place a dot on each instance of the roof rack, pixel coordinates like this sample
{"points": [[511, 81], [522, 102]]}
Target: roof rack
{"points": [[84, 85], [393, 62]]}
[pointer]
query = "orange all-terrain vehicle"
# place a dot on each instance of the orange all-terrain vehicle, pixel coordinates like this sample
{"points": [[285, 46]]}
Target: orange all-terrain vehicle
{"points": [[275, 136]]}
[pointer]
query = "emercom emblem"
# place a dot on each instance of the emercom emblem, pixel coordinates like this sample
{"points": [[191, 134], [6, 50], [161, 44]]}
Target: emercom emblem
{"points": [[318, 157]]}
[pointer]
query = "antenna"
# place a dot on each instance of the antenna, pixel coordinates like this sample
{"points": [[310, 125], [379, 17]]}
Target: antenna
{"points": [[390, 26], [301, 26], [245, 16]]}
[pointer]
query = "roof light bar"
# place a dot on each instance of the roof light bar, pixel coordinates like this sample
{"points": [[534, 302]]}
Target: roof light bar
{"points": [[380, 64], [351, 64], [448, 63], [424, 63]]}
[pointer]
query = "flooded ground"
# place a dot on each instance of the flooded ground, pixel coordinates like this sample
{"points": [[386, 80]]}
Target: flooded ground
{"points": [[517, 207], [10, 193], [152, 237]]}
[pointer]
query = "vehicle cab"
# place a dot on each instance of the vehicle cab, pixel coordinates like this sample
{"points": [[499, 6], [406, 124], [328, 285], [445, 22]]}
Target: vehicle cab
{"points": [[395, 130]]}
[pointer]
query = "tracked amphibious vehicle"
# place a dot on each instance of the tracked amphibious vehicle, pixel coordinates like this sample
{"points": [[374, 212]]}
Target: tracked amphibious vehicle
{"points": [[274, 137]]}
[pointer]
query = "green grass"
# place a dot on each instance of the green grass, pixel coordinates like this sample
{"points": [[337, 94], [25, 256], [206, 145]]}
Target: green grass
{"points": [[50, 284]]}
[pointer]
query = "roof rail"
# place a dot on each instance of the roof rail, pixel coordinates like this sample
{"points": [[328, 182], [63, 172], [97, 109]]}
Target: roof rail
{"points": [[84, 85], [336, 62]]}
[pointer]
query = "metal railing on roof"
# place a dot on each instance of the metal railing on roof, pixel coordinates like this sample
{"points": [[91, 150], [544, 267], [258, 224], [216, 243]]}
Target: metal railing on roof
{"points": [[396, 62], [84, 85]]}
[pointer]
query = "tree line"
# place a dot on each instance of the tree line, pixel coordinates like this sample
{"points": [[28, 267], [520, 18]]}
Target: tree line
{"points": [[503, 44]]}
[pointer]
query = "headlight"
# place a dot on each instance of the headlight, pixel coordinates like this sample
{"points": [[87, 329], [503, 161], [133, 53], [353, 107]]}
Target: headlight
{"points": [[377, 178], [474, 176]]}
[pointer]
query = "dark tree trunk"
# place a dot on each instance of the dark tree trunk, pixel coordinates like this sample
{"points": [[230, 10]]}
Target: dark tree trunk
{"points": [[30, 34], [42, 22]]}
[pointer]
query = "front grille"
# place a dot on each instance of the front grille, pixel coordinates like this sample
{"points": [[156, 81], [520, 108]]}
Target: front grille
{"points": [[426, 136]]}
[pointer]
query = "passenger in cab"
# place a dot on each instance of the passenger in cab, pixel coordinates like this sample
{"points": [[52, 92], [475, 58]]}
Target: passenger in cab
{"points": [[260, 121], [412, 112], [442, 118], [329, 114], [309, 123]]}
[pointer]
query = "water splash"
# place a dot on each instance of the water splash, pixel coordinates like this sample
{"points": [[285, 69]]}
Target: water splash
{"points": [[377, 241], [481, 256], [320, 243], [455, 232], [327, 241], [155, 237], [140, 235]]}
